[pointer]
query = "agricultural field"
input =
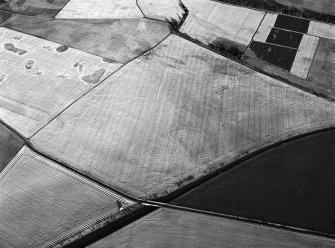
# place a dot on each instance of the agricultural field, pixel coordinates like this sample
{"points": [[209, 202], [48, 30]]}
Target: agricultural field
{"points": [[102, 9], [39, 78], [114, 39], [212, 23], [4, 16], [174, 228], [167, 123], [143, 130], [162, 9], [43, 204], [10, 145], [322, 10], [307, 164], [289, 46], [39, 8]]}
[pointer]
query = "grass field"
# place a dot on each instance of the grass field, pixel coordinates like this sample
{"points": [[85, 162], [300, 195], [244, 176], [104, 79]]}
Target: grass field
{"points": [[292, 184], [10, 144], [97, 9], [41, 201], [174, 115], [172, 228], [119, 40], [41, 78], [41, 8]]}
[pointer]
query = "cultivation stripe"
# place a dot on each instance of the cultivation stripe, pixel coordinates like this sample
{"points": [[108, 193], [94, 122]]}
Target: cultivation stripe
{"points": [[88, 225], [304, 56]]}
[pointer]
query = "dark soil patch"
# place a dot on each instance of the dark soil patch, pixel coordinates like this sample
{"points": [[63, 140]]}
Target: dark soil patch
{"points": [[292, 184], [284, 38], [276, 55], [10, 144], [292, 23]]}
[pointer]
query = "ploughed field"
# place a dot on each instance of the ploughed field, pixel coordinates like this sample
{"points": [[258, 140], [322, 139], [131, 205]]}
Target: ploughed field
{"points": [[292, 184]]}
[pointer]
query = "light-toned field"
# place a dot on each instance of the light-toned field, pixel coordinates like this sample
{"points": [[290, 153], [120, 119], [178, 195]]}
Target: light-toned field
{"points": [[262, 33], [97, 9], [174, 115], [42, 8], [10, 144], [211, 22], [39, 78], [41, 202], [322, 29], [322, 69], [174, 228], [119, 40], [304, 57], [161, 9]]}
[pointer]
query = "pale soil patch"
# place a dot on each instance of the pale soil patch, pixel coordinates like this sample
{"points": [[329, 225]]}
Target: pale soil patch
{"points": [[174, 115], [269, 20], [96, 9], [174, 228], [41, 201], [161, 9], [220, 21], [262, 33], [119, 40], [322, 30], [40, 78], [304, 57]]}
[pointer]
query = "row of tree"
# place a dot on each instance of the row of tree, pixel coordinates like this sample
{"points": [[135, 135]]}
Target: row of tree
{"points": [[273, 6]]}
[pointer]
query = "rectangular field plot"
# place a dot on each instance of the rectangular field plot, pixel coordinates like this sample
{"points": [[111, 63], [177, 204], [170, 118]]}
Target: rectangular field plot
{"points": [[175, 229], [97, 9], [162, 9], [275, 55], [292, 23], [304, 57], [222, 22], [41, 203], [39, 78], [284, 38], [42, 8], [10, 144]]}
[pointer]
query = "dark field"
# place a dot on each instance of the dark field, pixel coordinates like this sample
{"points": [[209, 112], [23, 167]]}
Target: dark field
{"points": [[4, 16], [276, 55], [284, 38], [292, 184], [292, 23], [43, 8], [10, 144]]}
